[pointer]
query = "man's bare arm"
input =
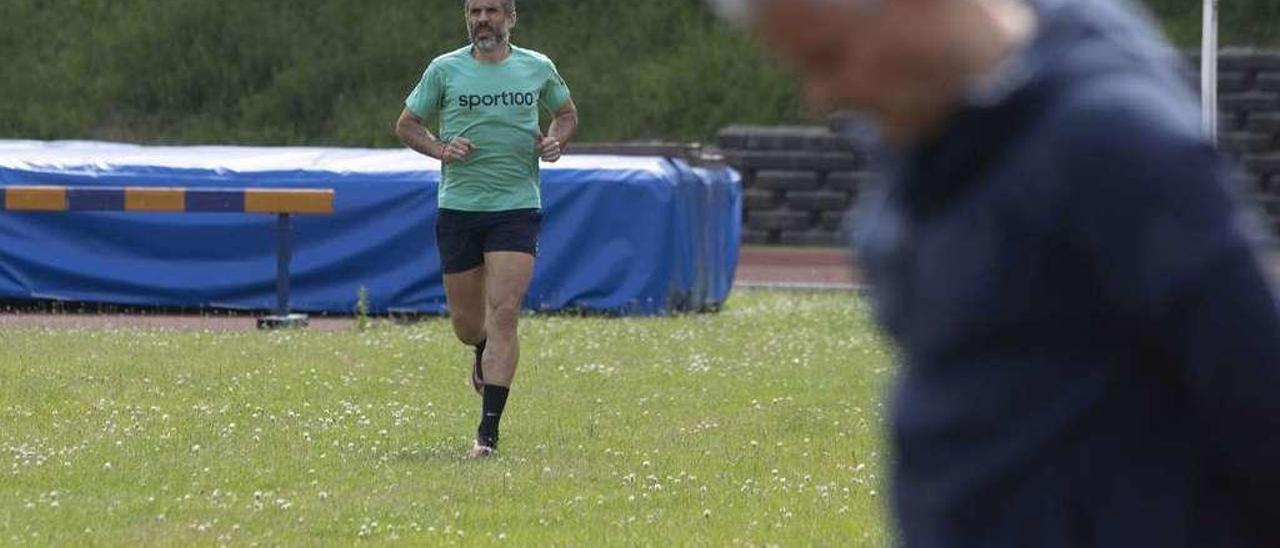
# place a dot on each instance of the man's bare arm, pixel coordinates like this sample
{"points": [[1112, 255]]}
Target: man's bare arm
{"points": [[561, 131], [415, 135], [565, 123]]}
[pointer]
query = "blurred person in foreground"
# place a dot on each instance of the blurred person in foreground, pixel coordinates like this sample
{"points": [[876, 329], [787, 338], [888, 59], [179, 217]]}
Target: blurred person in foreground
{"points": [[1091, 351], [485, 97]]}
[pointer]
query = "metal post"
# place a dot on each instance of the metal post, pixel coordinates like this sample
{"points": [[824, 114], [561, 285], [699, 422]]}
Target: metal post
{"points": [[1209, 69], [284, 255]]}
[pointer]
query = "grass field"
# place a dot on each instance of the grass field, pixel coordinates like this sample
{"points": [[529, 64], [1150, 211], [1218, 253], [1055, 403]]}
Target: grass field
{"points": [[756, 426]]}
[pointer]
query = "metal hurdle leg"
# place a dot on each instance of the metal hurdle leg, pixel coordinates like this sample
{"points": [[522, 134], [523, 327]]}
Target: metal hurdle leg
{"points": [[284, 254]]}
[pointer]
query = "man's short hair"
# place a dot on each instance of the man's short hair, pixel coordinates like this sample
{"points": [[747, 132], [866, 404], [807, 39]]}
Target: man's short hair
{"points": [[746, 13], [738, 12], [508, 5]]}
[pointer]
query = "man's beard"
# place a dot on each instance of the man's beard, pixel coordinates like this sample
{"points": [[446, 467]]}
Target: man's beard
{"points": [[490, 42]]}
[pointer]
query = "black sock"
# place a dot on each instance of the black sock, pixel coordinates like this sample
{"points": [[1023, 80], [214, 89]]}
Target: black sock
{"points": [[495, 399]]}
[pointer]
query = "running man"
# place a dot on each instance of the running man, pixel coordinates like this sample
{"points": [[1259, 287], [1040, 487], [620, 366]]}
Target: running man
{"points": [[486, 97]]}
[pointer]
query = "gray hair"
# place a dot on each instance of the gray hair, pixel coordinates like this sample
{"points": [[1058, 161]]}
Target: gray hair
{"points": [[508, 5], [741, 13], [746, 13]]}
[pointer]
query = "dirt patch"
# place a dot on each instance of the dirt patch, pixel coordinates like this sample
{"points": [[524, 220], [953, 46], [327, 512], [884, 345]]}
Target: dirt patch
{"points": [[758, 267], [817, 268], [90, 320]]}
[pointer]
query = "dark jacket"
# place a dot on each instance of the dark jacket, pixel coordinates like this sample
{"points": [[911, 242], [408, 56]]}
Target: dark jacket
{"points": [[1091, 351]]}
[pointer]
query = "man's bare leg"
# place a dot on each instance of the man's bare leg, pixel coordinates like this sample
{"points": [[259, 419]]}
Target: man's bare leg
{"points": [[506, 282], [466, 296], [507, 276]]}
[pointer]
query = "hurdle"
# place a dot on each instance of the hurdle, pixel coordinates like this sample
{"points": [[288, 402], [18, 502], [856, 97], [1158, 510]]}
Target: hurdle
{"points": [[282, 202]]}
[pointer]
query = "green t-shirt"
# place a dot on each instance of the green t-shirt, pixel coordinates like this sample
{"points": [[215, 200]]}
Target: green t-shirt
{"points": [[495, 106]]}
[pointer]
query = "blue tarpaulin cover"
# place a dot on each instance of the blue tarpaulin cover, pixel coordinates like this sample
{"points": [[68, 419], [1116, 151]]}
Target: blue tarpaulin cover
{"points": [[627, 235]]}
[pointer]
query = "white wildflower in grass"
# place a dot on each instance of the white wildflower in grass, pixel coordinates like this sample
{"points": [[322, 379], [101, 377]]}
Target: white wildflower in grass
{"points": [[639, 431]]}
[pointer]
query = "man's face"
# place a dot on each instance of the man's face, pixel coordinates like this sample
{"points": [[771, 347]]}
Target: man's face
{"points": [[887, 57], [489, 24]]}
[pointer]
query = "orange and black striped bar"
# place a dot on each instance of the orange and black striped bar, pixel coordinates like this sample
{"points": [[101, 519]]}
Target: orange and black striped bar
{"points": [[159, 199]]}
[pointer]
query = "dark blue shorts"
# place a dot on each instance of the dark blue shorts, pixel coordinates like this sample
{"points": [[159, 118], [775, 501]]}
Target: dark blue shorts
{"points": [[463, 237]]}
